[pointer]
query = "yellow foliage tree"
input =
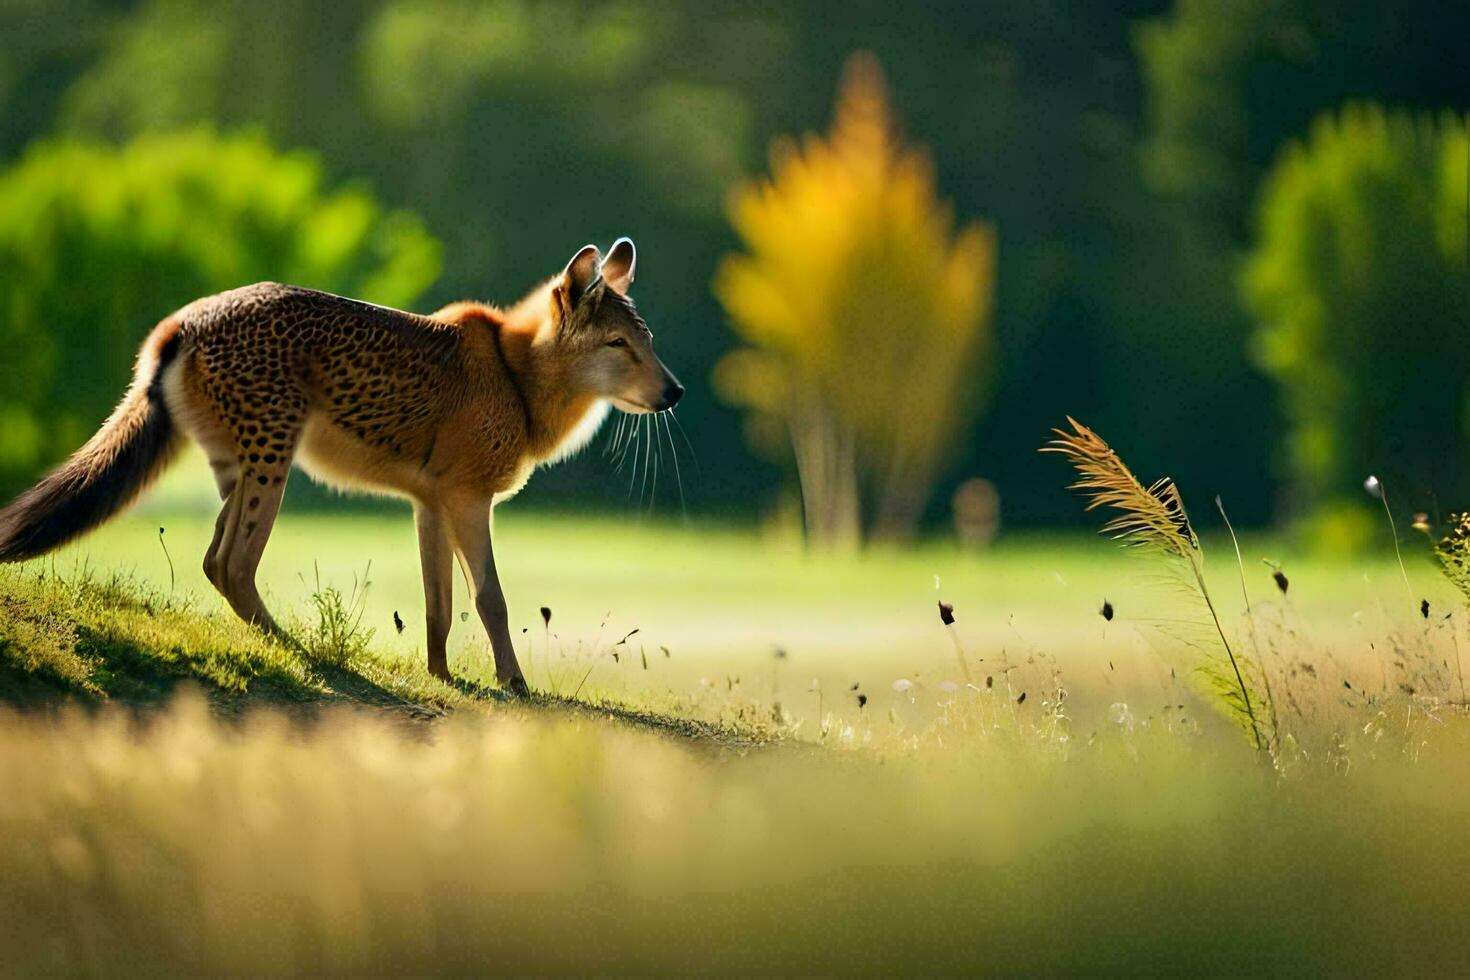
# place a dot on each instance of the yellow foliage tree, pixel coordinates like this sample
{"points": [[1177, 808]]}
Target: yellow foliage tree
{"points": [[866, 314]]}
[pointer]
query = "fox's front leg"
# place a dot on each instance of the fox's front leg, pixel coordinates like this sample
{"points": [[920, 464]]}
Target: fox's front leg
{"points": [[437, 555], [470, 525]]}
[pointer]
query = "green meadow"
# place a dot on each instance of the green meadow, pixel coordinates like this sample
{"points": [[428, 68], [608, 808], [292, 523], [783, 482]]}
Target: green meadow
{"points": [[646, 610], [741, 758]]}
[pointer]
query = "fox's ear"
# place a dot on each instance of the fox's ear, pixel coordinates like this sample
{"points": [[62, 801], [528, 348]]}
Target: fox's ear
{"points": [[579, 274], [620, 264]]}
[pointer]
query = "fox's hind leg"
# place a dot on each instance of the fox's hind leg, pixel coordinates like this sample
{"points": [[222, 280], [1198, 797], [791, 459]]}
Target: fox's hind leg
{"points": [[247, 411], [249, 517], [244, 527], [265, 441], [199, 416], [213, 569]]}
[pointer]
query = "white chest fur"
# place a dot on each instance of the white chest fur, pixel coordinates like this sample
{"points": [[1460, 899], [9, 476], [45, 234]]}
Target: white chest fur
{"points": [[581, 433]]}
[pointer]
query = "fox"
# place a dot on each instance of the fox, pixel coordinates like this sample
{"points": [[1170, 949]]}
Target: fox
{"points": [[453, 411]]}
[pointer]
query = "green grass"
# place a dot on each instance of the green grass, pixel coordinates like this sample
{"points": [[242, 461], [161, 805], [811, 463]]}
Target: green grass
{"points": [[719, 809], [98, 640], [106, 638], [95, 638], [721, 601]]}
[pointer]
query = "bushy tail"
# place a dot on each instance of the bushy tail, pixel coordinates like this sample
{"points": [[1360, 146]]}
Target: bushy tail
{"points": [[104, 476]]}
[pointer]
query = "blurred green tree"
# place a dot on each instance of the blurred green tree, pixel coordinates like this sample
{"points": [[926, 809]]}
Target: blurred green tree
{"points": [[1226, 85], [1229, 82], [866, 315], [98, 243], [1362, 289]]}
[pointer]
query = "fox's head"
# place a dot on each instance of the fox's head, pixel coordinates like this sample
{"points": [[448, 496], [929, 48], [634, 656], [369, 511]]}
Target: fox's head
{"points": [[609, 347]]}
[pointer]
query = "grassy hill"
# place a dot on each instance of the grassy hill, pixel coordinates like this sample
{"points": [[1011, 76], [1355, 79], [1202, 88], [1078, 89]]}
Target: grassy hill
{"points": [[95, 638], [110, 640]]}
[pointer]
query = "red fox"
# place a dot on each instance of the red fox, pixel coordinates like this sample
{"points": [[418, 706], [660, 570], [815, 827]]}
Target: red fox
{"points": [[452, 411]]}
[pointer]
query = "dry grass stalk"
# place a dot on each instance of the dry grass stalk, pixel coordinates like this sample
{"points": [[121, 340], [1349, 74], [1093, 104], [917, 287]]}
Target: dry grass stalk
{"points": [[1453, 554], [1152, 519]]}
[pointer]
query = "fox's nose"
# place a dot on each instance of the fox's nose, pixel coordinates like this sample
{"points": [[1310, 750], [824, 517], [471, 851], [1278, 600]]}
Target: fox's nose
{"points": [[673, 391]]}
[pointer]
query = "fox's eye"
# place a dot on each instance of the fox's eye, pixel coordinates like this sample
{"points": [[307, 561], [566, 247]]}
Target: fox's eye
{"points": [[617, 342]]}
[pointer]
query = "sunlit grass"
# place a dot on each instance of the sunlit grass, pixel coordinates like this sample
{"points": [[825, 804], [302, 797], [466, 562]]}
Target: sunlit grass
{"points": [[781, 770], [712, 605]]}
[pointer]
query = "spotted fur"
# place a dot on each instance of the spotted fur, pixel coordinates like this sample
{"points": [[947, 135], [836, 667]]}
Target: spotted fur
{"points": [[453, 411]]}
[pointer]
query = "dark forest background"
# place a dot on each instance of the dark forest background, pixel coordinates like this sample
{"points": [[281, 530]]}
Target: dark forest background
{"points": [[1124, 154]]}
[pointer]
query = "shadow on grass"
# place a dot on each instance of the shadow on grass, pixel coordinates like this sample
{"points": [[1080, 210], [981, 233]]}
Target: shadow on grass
{"points": [[688, 729], [126, 671], [89, 642], [86, 641]]}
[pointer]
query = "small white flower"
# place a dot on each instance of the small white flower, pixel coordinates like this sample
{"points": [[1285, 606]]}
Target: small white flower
{"points": [[1119, 714], [903, 684], [1374, 488], [948, 687]]}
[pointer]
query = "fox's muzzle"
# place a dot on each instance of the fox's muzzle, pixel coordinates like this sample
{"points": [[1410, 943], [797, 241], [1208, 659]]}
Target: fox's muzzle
{"points": [[672, 392]]}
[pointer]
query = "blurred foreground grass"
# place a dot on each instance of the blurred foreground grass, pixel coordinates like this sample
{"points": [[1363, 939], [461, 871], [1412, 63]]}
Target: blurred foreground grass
{"points": [[513, 843], [1105, 823]]}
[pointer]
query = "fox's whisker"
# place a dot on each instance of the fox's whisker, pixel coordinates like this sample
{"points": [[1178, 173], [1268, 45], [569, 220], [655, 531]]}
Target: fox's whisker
{"points": [[633, 442], [629, 442], [610, 440], [678, 477], [657, 459], [617, 436], [692, 454], [647, 460]]}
